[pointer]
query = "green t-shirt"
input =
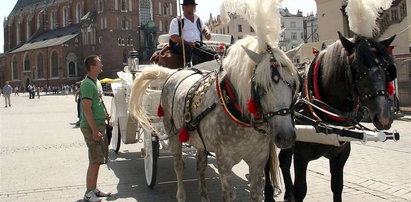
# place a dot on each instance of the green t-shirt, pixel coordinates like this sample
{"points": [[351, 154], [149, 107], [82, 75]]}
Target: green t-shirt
{"points": [[93, 91]]}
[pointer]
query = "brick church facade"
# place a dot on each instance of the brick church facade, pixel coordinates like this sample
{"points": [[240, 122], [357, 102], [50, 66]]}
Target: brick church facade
{"points": [[46, 41]]}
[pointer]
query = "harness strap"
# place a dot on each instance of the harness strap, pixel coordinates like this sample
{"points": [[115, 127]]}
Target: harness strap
{"points": [[315, 101], [224, 105], [175, 90], [191, 124], [194, 123]]}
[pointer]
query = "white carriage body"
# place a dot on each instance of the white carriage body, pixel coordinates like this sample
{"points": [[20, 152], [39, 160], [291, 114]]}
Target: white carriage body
{"points": [[122, 89]]}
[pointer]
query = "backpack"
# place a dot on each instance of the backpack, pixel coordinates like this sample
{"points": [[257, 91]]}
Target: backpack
{"points": [[179, 20]]}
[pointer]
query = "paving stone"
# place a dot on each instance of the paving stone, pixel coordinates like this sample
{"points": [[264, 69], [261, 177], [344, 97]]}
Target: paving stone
{"points": [[46, 160]]}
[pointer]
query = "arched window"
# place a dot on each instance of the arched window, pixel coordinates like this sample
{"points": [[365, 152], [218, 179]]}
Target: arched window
{"points": [[129, 41], [160, 26], [65, 16], [18, 33], [27, 29], [39, 20], [72, 69], [125, 52], [54, 64], [125, 24], [52, 22], [124, 5], [78, 13], [15, 73], [40, 66], [100, 6], [71, 62], [119, 40], [145, 11], [26, 63]]}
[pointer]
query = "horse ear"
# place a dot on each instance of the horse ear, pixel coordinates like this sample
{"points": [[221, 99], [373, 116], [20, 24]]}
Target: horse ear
{"points": [[257, 58], [291, 53], [348, 45], [388, 41]]}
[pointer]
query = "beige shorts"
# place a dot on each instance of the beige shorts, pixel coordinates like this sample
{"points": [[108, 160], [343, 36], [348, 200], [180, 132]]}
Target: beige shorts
{"points": [[97, 151]]}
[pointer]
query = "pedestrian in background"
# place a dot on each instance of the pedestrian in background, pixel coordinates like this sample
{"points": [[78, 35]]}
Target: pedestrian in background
{"points": [[93, 126], [16, 91], [7, 89], [38, 92], [78, 101]]}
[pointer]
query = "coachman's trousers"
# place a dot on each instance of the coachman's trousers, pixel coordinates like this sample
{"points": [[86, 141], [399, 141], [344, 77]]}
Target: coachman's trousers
{"points": [[206, 54]]}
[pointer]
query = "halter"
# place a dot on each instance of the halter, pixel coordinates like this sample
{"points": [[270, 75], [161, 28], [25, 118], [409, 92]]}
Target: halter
{"points": [[362, 75], [313, 99], [257, 94]]}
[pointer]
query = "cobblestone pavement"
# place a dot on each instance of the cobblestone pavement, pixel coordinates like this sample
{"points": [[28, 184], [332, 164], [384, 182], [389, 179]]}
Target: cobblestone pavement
{"points": [[44, 158]]}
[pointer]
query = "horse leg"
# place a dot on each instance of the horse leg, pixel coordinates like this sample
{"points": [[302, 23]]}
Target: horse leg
{"points": [[256, 181], [300, 171], [285, 158], [336, 168], [224, 168], [201, 166], [268, 189], [176, 150]]}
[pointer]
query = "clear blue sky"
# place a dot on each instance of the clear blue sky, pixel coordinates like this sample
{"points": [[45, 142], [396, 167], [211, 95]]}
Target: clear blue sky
{"points": [[204, 8]]}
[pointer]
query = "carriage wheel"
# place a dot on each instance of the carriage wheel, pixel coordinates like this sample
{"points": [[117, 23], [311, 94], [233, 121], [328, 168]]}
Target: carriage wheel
{"points": [[116, 138], [151, 152]]}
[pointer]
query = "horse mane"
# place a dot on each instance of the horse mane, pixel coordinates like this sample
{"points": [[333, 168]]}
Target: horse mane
{"points": [[334, 58], [240, 69]]}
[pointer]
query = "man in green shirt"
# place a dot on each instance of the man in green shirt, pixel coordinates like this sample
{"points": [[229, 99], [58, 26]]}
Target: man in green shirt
{"points": [[93, 126]]}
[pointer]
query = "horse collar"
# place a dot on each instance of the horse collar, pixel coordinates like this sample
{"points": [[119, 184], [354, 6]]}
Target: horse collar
{"points": [[314, 92], [229, 102]]}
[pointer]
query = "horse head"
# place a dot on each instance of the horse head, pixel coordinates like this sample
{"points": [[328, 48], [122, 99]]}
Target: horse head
{"points": [[371, 68], [274, 87]]}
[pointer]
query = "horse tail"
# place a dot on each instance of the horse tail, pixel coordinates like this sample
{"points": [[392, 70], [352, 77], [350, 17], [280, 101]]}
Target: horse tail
{"points": [[141, 83], [274, 168]]}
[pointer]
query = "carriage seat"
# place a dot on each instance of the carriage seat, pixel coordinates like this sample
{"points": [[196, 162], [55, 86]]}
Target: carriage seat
{"points": [[215, 41]]}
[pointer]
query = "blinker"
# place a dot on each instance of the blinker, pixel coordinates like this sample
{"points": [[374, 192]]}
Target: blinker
{"points": [[275, 74]]}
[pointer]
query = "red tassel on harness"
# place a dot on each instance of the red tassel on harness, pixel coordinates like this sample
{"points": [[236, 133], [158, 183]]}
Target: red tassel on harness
{"points": [[183, 135], [390, 88], [252, 106], [160, 112]]}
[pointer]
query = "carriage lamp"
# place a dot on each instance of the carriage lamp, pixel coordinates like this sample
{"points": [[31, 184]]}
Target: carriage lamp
{"points": [[133, 62]]}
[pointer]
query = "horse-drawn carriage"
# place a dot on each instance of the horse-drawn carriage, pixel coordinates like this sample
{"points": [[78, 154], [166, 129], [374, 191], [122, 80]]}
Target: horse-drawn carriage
{"points": [[251, 104], [128, 131]]}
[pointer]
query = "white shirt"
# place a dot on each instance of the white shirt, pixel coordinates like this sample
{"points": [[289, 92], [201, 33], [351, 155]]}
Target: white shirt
{"points": [[190, 31]]}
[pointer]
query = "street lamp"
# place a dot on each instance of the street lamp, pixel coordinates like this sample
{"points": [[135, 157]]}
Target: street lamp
{"points": [[133, 62]]}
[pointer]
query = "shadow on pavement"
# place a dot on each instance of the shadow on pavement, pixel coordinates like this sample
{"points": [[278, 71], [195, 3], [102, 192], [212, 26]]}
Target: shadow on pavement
{"points": [[129, 168]]}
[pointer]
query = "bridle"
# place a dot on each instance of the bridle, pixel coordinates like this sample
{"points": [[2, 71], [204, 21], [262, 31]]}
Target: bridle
{"points": [[362, 75], [258, 92]]}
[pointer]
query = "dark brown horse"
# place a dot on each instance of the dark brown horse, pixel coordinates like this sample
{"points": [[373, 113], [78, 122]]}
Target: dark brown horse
{"points": [[351, 74]]}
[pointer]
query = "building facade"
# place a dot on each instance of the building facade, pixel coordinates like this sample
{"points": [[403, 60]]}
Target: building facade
{"points": [[396, 20], [46, 41], [310, 27], [297, 29]]}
